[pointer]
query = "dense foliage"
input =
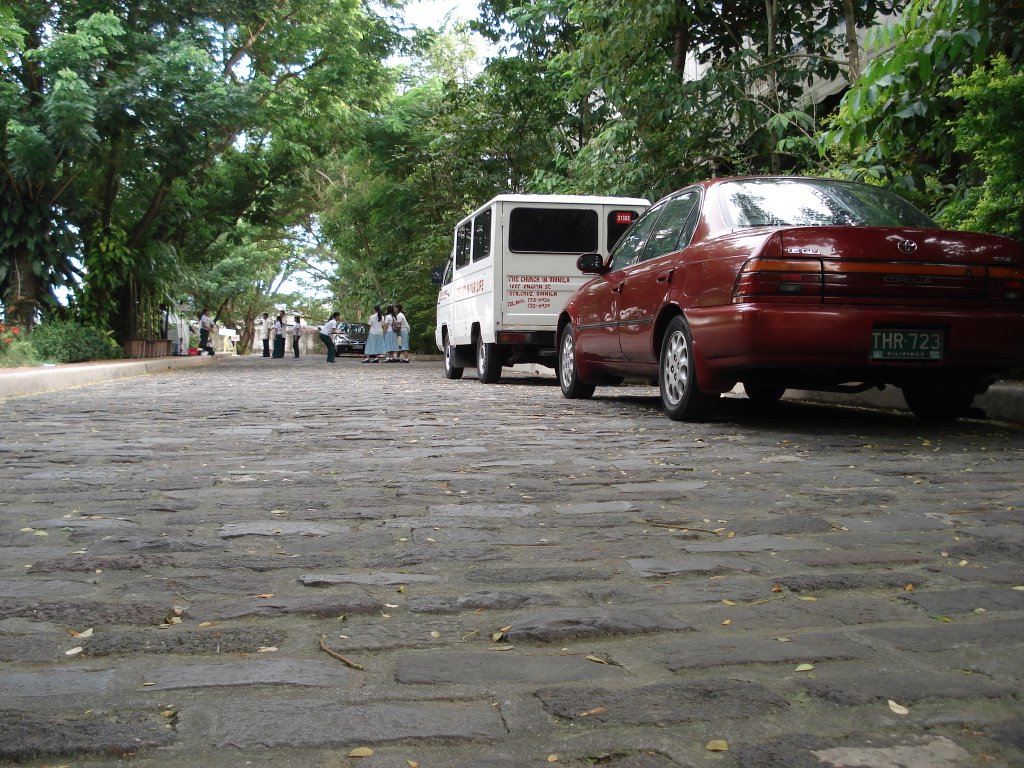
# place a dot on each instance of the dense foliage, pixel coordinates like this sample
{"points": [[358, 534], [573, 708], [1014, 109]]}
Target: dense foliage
{"points": [[64, 341], [253, 154]]}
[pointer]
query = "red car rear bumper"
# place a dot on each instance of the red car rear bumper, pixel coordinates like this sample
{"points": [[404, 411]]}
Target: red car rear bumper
{"points": [[835, 343]]}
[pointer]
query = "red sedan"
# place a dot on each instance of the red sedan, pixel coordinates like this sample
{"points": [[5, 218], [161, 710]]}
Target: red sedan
{"points": [[786, 282]]}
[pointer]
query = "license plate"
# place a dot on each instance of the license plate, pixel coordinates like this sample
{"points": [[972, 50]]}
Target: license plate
{"points": [[906, 344]]}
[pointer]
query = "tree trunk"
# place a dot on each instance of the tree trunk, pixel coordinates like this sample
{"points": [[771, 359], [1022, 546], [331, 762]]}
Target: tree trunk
{"points": [[852, 43], [21, 300]]}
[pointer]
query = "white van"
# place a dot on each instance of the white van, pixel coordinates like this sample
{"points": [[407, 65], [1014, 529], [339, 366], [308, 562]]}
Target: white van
{"points": [[510, 272]]}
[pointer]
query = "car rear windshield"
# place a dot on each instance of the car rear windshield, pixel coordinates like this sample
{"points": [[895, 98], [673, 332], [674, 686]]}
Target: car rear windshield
{"points": [[552, 230], [815, 203]]}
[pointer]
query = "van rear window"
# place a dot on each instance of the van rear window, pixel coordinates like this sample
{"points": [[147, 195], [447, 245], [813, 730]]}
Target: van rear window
{"points": [[552, 230]]}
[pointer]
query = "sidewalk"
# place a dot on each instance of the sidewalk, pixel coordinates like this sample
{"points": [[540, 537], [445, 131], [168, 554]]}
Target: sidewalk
{"points": [[29, 381]]}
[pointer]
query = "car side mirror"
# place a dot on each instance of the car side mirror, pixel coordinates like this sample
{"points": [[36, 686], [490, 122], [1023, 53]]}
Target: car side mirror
{"points": [[437, 275], [591, 264]]}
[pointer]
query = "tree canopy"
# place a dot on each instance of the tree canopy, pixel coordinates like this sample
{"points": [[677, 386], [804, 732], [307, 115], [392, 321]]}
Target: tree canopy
{"points": [[253, 154]]}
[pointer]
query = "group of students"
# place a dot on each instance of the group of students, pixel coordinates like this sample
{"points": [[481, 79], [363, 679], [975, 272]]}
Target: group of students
{"points": [[277, 334], [386, 342], [388, 339]]}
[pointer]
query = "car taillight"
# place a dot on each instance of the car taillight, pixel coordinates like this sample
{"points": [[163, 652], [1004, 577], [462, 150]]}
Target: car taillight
{"points": [[1006, 284], [763, 278]]}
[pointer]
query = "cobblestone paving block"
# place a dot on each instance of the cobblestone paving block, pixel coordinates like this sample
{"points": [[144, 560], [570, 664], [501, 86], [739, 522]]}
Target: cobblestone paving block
{"points": [[968, 600], [84, 564], [30, 736], [823, 582], [46, 588], [480, 601], [589, 508], [288, 723], [941, 636], [82, 613], [754, 647], [856, 684], [280, 528], [569, 624], [650, 568], [1011, 573], [214, 640], [533, 575], [77, 682], [683, 591], [255, 670], [695, 700], [491, 667], [374, 579], [329, 606], [757, 543], [846, 557]]}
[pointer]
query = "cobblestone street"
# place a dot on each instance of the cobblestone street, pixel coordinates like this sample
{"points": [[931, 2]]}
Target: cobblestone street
{"points": [[276, 562]]}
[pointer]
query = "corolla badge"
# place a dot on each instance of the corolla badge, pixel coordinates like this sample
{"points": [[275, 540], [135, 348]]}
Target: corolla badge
{"points": [[906, 246]]}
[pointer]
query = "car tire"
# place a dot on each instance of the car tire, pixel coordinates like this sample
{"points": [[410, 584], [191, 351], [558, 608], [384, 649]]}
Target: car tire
{"points": [[938, 405], [763, 394], [451, 371], [488, 362], [568, 374], [677, 376]]}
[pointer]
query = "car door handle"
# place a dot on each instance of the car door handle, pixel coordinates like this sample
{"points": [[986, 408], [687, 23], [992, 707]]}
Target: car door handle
{"points": [[667, 277], [618, 288]]}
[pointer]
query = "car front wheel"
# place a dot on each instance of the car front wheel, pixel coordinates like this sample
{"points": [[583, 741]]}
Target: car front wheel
{"points": [[677, 376], [936, 405], [451, 371], [568, 375]]}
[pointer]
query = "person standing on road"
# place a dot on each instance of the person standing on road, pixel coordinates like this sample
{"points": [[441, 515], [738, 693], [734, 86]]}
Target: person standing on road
{"points": [[402, 330], [390, 338], [279, 335], [205, 330], [374, 349], [296, 335], [266, 334], [327, 335]]}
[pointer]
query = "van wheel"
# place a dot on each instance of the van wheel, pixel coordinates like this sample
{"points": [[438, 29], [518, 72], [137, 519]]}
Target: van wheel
{"points": [[677, 378], [488, 364], [451, 371], [568, 376]]}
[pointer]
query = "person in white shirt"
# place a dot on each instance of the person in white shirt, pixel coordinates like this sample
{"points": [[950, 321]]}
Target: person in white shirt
{"points": [[296, 335], [279, 335], [205, 330], [327, 335], [374, 349], [402, 331], [266, 334]]}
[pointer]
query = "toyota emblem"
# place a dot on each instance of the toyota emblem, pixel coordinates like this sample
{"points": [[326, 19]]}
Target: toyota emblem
{"points": [[906, 246]]}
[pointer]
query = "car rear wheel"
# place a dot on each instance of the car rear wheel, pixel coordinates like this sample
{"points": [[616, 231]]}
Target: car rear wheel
{"points": [[488, 363], [677, 378], [568, 376], [936, 405], [451, 371]]}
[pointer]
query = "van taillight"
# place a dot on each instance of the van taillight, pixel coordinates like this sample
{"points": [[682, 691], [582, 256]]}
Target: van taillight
{"points": [[1006, 284], [778, 278]]}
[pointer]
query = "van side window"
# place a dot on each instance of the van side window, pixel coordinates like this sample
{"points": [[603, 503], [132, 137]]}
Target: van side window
{"points": [[448, 269], [553, 230], [462, 244], [627, 251], [675, 226], [482, 236]]}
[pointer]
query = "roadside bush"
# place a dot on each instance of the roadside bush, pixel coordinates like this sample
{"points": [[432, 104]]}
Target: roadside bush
{"points": [[60, 341]]}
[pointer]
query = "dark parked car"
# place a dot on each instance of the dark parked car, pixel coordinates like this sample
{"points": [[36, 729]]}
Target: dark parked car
{"points": [[784, 282], [350, 337]]}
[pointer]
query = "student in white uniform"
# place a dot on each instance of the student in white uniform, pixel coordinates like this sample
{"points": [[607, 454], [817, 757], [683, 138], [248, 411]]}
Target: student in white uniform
{"points": [[327, 335]]}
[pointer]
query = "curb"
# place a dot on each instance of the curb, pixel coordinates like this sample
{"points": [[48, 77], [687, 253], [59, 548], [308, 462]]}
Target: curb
{"points": [[31, 381]]}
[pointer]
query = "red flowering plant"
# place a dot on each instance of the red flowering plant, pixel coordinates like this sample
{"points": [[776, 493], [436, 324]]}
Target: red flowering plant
{"points": [[9, 334]]}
